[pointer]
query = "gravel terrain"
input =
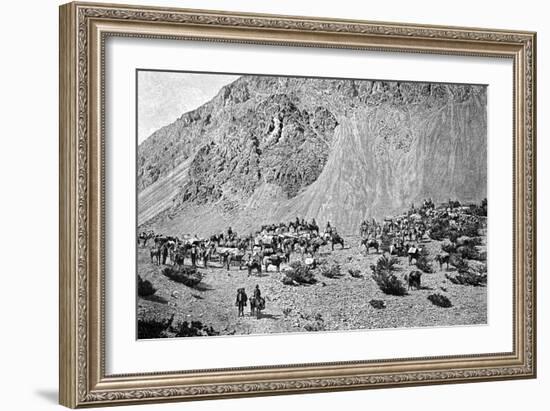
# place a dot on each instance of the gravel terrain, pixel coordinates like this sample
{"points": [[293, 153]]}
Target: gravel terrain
{"points": [[331, 304]]}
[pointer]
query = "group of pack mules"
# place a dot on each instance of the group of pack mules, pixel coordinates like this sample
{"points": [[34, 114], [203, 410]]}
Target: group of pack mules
{"points": [[403, 235], [397, 237], [255, 252]]}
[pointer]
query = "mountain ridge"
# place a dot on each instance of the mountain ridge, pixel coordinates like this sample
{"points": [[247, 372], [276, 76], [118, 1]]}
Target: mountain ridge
{"points": [[268, 148]]}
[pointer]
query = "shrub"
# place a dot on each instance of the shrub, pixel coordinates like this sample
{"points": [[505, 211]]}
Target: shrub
{"points": [[439, 230], [331, 270], [440, 300], [153, 328], [287, 311], [386, 263], [469, 252], [459, 263], [194, 329], [389, 283], [386, 280], [317, 324], [355, 273], [299, 273], [145, 288], [470, 229], [453, 235], [468, 278], [448, 248], [188, 276], [378, 304]]}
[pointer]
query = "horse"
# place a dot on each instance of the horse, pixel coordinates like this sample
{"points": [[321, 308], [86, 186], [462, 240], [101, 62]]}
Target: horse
{"points": [[414, 253], [179, 257], [145, 237], [313, 227], [253, 264], [336, 238], [273, 259], [226, 255], [256, 306], [241, 301], [370, 242], [413, 279], [237, 256], [443, 259], [363, 229], [155, 255]]}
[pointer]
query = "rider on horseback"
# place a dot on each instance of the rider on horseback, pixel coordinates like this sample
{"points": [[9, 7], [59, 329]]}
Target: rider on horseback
{"points": [[257, 292]]}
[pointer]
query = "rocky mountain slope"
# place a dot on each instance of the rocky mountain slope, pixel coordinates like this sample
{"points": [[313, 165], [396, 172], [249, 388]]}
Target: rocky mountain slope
{"points": [[269, 149]]}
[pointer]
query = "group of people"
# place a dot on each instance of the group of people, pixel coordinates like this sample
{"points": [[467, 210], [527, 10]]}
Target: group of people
{"points": [[272, 244], [257, 302], [400, 234]]}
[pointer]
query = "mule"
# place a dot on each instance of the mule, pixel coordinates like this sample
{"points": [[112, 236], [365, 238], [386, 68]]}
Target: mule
{"points": [[368, 243], [253, 264], [155, 255], [414, 253], [443, 259], [256, 306], [414, 279], [336, 238], [275, 260]]}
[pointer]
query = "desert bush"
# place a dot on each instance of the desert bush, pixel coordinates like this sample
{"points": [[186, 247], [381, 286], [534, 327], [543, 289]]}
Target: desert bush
{"points": [[317, 324], [459, 263], [355, 273], [386, 263], [474, 241], [383, 276], [471, 228], [331, 270], [468, 278], [378, 304], [453, 235], [299, 273], [194, 329], [389, 283], [188, 276], [449, 248], [287, 311], [153, 328], [469, 252], [145, 288], [440, 230], [440, 300]]}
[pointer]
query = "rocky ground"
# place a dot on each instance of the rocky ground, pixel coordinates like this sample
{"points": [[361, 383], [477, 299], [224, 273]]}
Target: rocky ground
{"points": [[341, 303]]}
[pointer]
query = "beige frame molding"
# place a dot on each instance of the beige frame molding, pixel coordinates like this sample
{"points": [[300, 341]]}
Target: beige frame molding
{"points": [[83, 30]]}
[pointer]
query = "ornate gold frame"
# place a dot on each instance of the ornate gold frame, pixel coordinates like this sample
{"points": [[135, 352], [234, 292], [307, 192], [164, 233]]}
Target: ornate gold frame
{"points": [[83, 29]]}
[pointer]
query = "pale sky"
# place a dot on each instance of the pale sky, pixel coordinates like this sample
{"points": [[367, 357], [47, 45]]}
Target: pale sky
{"points": [[165, 96]]}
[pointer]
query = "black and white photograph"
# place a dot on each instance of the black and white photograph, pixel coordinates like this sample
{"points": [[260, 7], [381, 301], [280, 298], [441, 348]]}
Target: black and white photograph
{"points": [[271, 204]]}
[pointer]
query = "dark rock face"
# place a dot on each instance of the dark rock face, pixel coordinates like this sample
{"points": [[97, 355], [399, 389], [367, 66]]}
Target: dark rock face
{"points": [[267, 149]]}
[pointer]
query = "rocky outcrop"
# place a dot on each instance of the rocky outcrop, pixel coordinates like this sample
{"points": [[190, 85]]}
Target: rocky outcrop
{"points": [[269, 149]]}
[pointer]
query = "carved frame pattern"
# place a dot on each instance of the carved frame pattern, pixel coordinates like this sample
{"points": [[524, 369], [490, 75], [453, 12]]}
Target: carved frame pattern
{"points": [[83, 383]]}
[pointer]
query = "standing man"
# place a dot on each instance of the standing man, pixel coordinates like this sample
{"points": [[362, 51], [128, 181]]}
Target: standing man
{"points": [[164, 252], [194, 252]]}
